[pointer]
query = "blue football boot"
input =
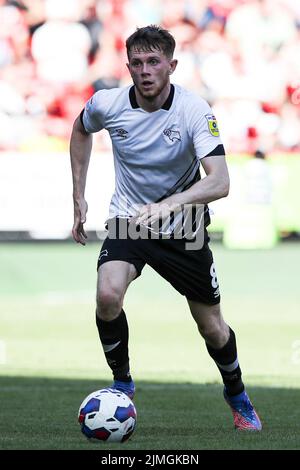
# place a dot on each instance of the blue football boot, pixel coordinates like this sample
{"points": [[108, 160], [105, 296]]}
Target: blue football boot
{"points": [[244, 415]]}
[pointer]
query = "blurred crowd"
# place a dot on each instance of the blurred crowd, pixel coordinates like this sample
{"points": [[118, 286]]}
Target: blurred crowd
{"points": [[242, 56]]}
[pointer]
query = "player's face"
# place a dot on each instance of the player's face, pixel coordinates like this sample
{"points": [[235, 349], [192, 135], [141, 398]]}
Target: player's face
{"points": [[150, 71]]}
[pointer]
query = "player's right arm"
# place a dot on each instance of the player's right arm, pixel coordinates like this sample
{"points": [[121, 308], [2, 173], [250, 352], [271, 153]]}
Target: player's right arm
{"points": [[80, 151], [91, 119]]}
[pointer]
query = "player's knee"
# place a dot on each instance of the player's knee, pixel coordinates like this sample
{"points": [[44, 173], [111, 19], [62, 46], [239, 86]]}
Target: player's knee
{"points": [[210, 331], [214, 333], [109, 304], [207, 330]]}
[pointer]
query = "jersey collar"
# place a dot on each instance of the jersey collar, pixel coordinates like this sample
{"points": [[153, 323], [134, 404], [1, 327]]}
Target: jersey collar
{"points": [[167, 104]]}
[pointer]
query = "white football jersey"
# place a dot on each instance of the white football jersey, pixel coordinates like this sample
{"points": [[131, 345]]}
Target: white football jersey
{"points": [[156, 154]]}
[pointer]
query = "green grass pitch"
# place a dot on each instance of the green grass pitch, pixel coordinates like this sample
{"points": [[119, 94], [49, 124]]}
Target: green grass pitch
{"points": [[50, 357]]}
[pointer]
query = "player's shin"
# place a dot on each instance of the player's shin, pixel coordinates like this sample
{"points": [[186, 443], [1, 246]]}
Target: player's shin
{"points": [[227, 362], [114, 338]]}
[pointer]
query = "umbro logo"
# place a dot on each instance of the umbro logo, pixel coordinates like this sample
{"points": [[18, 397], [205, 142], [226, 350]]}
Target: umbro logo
{"points": [[122, 133], [172, 135]]}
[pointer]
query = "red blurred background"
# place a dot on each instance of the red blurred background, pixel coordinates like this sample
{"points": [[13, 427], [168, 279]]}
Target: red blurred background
{"points": [[242, 56]]}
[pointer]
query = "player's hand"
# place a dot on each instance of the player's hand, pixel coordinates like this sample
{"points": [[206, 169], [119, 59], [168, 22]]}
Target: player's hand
{"points": [[80, 210], [150, 213]]}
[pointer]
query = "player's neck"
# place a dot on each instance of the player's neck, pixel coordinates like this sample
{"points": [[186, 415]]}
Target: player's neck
{"points": [[153, 104]]}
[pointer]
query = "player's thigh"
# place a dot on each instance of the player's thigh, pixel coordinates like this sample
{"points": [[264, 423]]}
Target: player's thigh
{"points": [[113, 279]]}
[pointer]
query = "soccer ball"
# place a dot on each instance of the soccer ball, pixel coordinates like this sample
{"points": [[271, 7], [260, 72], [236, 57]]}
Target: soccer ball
{"points": [[107, 415]]}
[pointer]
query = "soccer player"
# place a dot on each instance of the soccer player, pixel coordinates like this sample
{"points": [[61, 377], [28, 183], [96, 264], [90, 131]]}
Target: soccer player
{"points": [[160, 134]]}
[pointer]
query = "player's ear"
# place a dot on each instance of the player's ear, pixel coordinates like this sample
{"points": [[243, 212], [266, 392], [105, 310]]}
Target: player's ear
{"points": [[173, 65], [128, 67]]}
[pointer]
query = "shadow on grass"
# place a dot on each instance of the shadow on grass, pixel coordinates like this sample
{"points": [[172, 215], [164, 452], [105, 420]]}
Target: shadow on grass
{"points": [[41, 413]]}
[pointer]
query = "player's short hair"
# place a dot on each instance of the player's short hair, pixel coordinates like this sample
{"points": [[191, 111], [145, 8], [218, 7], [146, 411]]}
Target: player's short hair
{"points": [[151, 38]]}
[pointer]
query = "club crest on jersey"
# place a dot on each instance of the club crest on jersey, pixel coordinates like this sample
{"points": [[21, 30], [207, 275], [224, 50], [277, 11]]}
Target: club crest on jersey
{"points": [[212, 125], [122, 133], [172, 134]]}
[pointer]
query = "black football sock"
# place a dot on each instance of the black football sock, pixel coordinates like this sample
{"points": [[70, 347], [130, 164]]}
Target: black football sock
{"points": [[114, 338], [227, 361]]}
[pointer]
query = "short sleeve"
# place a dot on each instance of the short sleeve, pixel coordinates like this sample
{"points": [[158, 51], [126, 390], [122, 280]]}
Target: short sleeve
{"points": [[204, 128], [93, 117]]}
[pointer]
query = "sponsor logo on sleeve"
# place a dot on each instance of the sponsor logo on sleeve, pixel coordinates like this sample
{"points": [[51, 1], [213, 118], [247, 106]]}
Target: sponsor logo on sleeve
{"points": [[212, 125]]}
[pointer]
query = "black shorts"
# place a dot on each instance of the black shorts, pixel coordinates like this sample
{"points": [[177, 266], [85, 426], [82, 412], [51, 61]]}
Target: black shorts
{"points": [[191, 272]]}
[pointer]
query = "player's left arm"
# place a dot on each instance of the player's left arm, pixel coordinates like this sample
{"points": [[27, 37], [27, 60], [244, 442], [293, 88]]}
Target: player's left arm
{"points": [[215, 185]]}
